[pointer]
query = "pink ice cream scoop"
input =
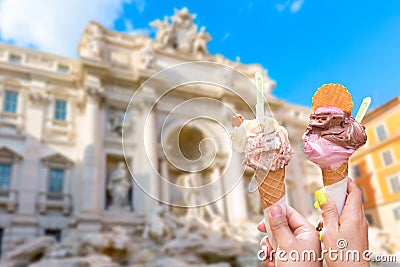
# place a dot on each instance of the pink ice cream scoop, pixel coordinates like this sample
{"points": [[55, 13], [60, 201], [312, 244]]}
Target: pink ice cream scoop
{"points": [[332, 137]]}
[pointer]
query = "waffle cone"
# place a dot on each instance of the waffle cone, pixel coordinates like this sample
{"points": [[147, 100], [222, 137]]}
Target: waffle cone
{"points": [[331, 176], [272, 187], [334, 95]]}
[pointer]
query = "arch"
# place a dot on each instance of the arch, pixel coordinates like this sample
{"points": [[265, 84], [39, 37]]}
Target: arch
{"points": [[206, 128]]}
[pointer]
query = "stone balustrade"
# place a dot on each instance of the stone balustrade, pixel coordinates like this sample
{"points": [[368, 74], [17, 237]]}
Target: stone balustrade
{"points": [[9, 198], [54, 201], [37, 60]]}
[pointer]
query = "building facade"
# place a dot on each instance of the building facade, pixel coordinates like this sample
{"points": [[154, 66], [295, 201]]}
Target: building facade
{"points": [[376, 166], [62, 162]]}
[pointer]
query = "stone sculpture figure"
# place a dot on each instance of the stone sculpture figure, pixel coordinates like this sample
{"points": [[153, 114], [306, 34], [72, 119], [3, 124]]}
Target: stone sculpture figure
{"points": [[116, 122], [191, 197], [118, 187], [149, 59], [200, 42], [164, 32], [179, 32], [92, 44]]}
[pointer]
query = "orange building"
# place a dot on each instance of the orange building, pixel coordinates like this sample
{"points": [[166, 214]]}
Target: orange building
{"points": [[376, 166]]}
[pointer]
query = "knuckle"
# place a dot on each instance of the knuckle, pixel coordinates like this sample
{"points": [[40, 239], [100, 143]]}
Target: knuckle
{"points": [[328, 210], [278, 225]]}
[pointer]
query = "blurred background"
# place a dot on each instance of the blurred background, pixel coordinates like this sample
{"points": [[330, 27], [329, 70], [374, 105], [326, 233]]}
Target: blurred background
{"points": [[90, 132]]}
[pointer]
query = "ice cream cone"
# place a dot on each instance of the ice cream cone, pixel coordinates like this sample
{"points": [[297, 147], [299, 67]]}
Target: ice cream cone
{"points": [[272, 186], [335, 183], [331, 176]]}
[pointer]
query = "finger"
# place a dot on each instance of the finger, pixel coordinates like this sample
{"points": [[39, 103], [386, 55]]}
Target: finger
{"points": [[296, 220], [261, 227], [354, 197], [353, 207], [279, 225], [264, 241], [330, 214], [267, 248]]}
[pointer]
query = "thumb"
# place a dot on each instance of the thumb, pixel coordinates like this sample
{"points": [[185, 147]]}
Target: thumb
{"points": [[279, 225], [330, 214]]}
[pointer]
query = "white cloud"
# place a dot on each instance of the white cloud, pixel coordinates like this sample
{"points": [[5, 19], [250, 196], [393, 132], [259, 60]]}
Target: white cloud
{"points": [[130, 29], [282, 7], [140, 4], [226, 36], [294, 6], [56, 26]]}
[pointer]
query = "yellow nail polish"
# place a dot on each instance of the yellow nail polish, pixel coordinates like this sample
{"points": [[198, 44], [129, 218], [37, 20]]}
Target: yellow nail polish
{"points": [[321, 197], [320, 237], [316, 204]]}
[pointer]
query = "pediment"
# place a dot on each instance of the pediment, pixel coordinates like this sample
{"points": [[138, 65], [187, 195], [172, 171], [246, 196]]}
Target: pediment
{"points": [[6, 152], [57, 158]]}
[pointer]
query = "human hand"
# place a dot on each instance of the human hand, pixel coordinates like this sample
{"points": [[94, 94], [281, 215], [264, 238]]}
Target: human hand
{"points": [[293, 234], [346, 233]]}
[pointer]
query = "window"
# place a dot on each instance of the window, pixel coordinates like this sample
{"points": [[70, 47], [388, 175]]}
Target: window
{"points": [[1, 240], [10, 102], [15, 58], [394, 184], [396, 212], [381, 132], [56, 233], [5, 176], [60, 110], [387, 157], [370, 219], [63, 68], [356, 171], [56, 180]]}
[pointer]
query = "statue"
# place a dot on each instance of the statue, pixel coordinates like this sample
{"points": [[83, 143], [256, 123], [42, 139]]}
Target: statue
{"points": [[116, 122], [118, 187], [91, 44], [192, 197], [149, 59], [164, 32], [200, 42], [179, 33]]}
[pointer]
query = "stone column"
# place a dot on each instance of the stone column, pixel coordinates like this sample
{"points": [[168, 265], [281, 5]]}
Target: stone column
{"points": [[218, 188], [25, 223], [165, 192], [301, 198], [236, 199], [145, 161], [89, 217]]}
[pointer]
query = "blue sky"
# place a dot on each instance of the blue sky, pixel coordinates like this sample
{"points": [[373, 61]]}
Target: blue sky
{"points": [[302, 43]]}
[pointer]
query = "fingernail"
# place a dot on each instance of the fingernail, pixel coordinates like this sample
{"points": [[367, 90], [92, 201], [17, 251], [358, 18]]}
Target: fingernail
{"points": [[321, 197], [276, 211], [316, 204]]}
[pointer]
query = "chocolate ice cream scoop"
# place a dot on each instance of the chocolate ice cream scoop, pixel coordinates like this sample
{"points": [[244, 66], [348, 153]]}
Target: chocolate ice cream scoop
{"points": [[335, 126]]}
